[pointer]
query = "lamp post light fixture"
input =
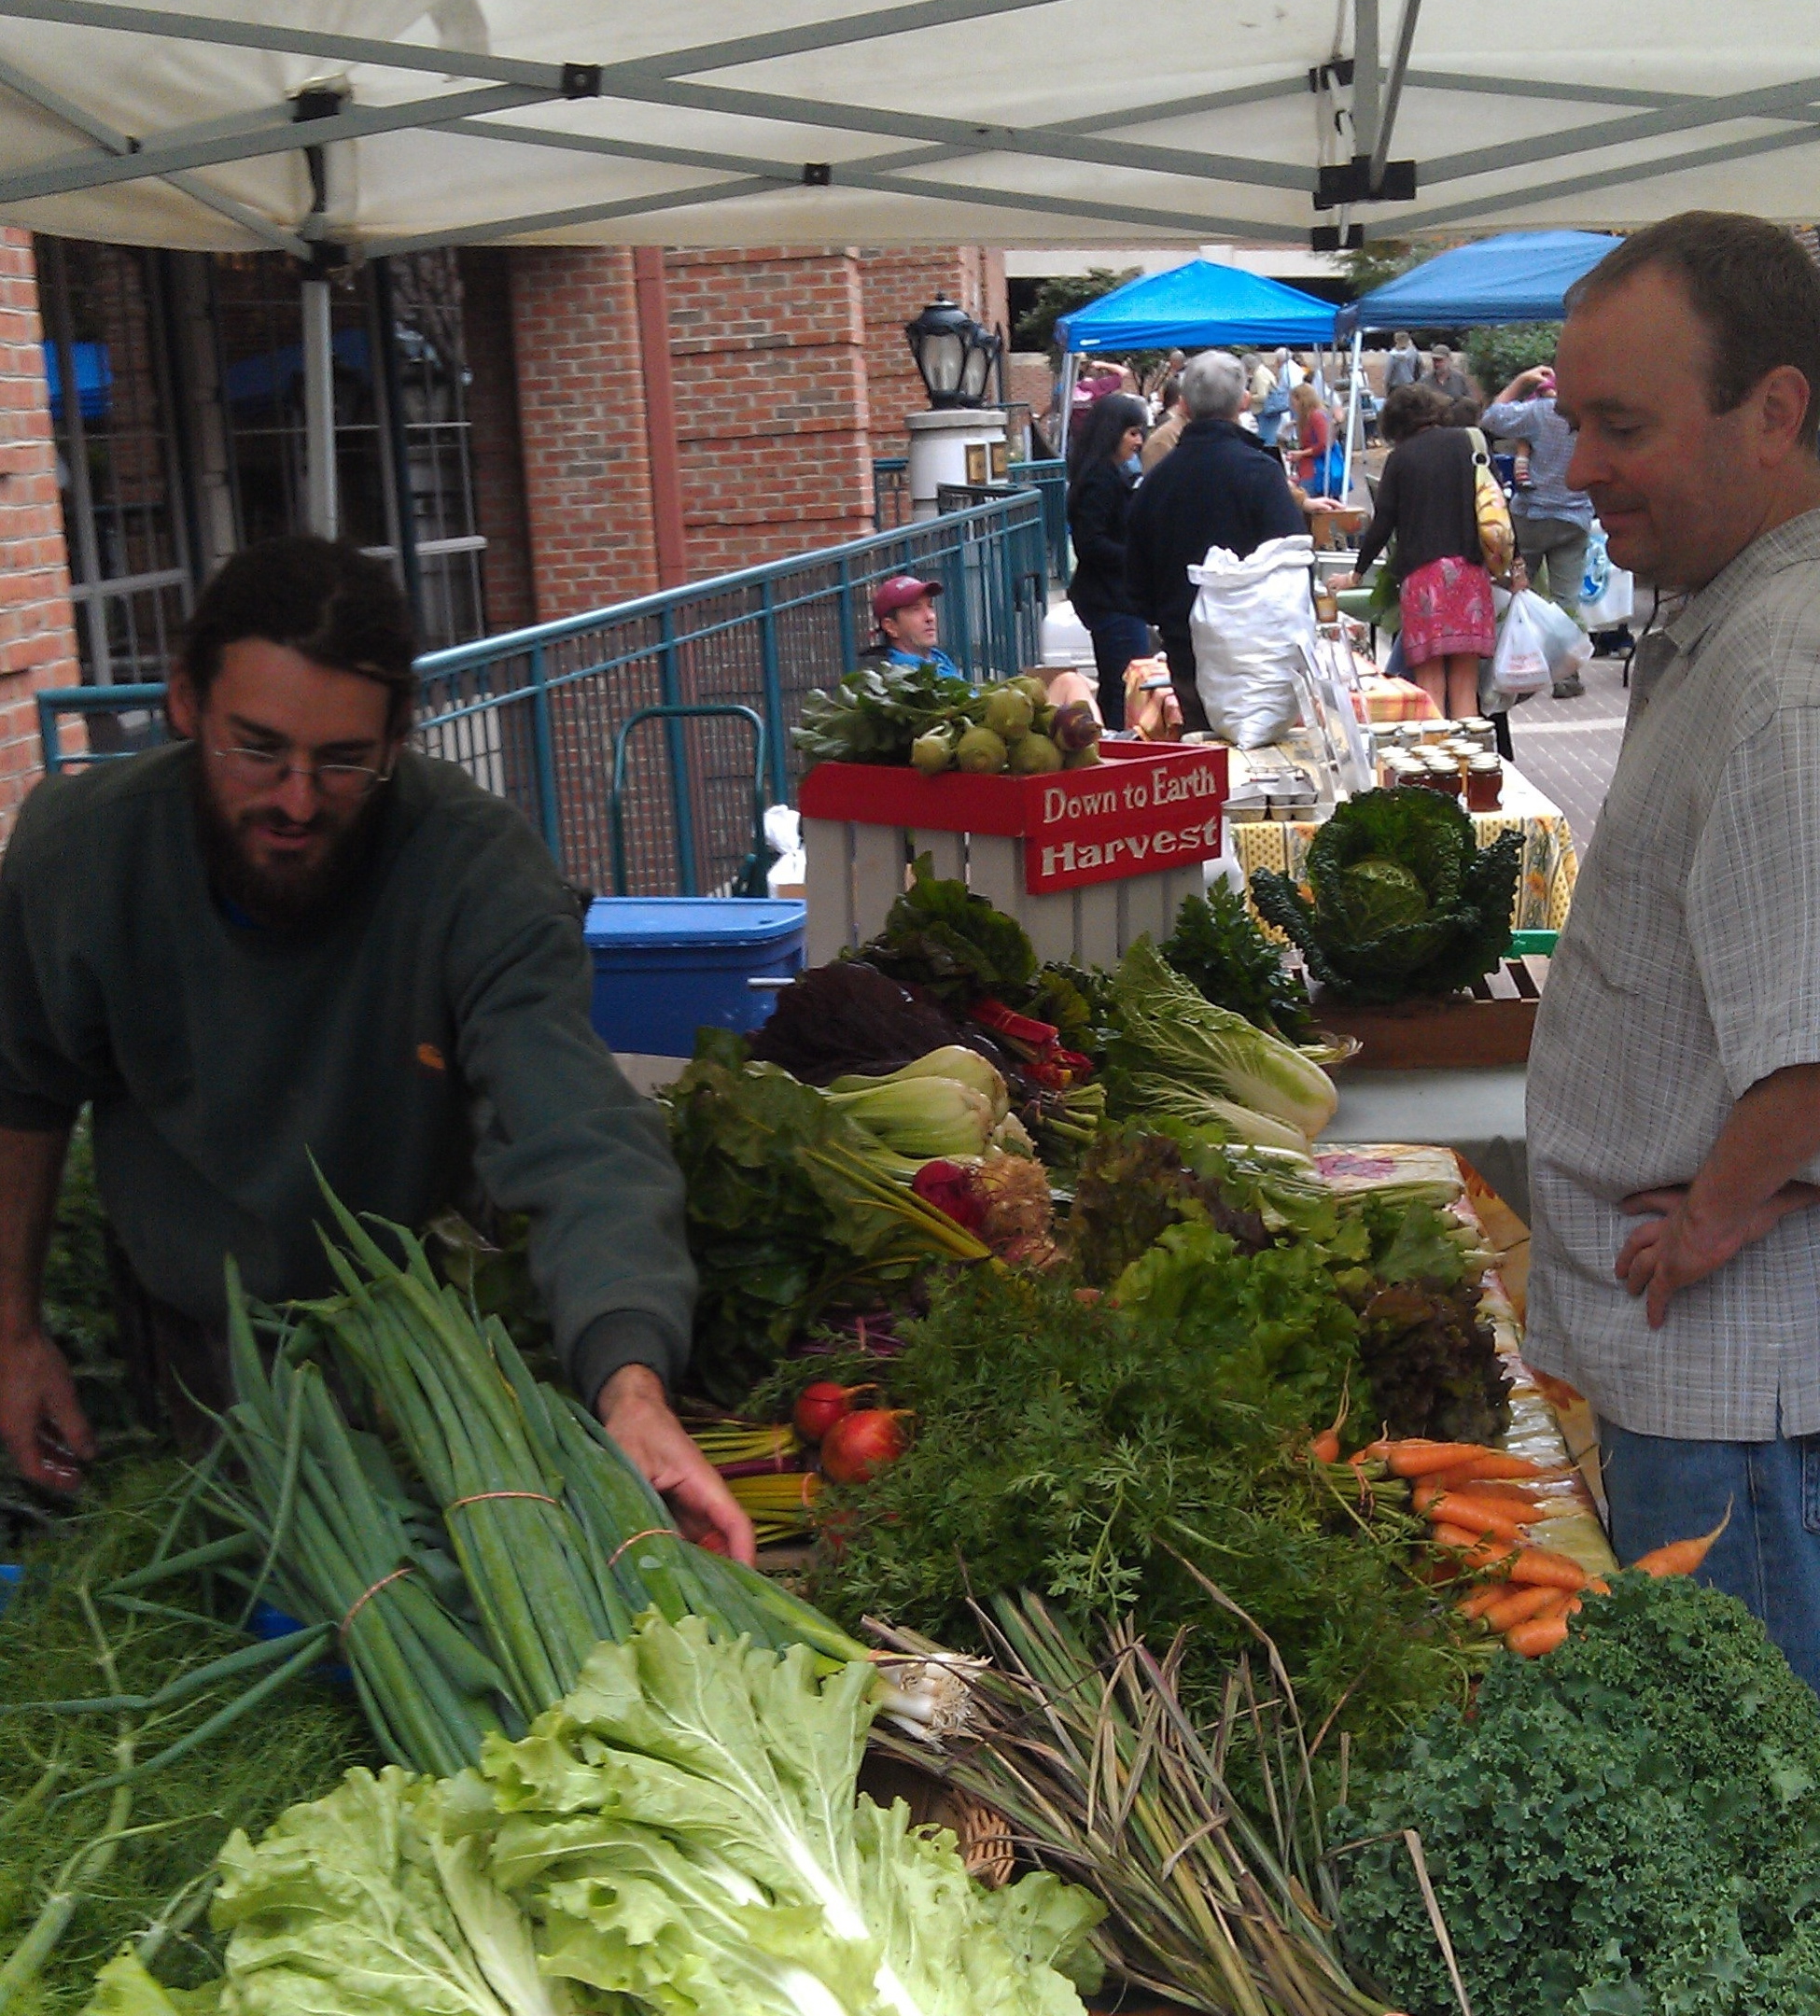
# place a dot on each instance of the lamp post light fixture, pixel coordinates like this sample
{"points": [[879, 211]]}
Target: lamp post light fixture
{"points": [[954, 355]]}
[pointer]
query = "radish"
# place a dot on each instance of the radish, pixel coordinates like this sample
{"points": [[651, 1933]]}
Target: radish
{"points": [[820, 1406], [859, 1445]]}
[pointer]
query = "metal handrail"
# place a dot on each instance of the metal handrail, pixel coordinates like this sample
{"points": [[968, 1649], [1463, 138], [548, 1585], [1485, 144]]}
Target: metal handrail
{"points": [[531, 714]]}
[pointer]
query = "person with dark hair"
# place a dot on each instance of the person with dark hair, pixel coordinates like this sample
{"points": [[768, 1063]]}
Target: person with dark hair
{"points": [[1463, 413], [288, 943], [1675, 1081], [1425, 497], [1103, 468]]}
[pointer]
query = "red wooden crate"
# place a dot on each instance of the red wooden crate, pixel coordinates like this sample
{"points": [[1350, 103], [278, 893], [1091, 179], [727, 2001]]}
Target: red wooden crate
{"points": [[1145, 807]]}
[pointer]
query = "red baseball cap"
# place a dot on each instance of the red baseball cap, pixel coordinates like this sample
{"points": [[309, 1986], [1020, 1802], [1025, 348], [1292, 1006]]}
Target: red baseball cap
{"points": [[899, 592]]}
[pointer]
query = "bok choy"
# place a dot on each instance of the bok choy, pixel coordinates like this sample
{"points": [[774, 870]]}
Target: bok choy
{"points": [[1171, 1031]]}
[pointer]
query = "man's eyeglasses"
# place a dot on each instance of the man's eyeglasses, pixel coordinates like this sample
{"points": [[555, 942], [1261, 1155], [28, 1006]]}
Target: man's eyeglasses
{"points": [[267, 770]]}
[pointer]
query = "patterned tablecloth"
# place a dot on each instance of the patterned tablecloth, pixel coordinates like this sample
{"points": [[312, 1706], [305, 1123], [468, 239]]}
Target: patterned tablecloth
{"points": [[1397, 700], [1544, 887]]}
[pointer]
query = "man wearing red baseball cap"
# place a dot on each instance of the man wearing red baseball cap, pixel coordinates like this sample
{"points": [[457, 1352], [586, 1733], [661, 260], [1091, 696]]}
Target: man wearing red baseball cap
{"points": [[904, 608]]}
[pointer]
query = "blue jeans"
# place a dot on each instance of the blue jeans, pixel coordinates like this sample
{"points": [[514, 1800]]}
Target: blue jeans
{"points": [[1116, 640], [1658, 1488]]}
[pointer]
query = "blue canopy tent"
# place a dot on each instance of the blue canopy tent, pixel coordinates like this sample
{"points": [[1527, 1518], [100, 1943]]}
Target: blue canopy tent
{"points": [[1194, 306], [1190, 307], [1519, 276]]}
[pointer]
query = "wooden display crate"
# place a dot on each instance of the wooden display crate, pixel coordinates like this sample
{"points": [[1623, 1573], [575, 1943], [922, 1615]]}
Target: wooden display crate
{"points": [[1491, 1025], [1071, 856]]}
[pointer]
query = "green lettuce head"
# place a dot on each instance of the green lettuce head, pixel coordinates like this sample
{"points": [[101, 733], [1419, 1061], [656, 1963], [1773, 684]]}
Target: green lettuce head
{"points": [[1401, 900]]}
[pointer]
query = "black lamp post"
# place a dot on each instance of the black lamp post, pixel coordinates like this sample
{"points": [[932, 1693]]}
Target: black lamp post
{"points": [[953, 354]]}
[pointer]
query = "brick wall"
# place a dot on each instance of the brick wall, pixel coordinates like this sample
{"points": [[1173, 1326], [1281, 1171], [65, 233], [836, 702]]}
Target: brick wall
{"points": [[38, 643], [581, 422], [768, 352], [897, 287], [495, 445]]}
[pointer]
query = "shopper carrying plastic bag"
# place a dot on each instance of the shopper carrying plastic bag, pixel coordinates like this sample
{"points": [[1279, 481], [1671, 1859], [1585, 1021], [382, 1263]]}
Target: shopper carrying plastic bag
{"points": [[1252, 620]]}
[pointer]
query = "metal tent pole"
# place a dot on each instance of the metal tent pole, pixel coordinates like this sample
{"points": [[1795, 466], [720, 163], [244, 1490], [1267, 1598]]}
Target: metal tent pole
{"points": [[1070, 366], [1352, 412], [318, 412]]}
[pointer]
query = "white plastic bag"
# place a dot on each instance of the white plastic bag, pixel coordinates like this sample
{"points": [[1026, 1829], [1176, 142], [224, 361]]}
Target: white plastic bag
{"points": [[1608, 594], [1251, 622], [1567, 646], [1520, 663]]}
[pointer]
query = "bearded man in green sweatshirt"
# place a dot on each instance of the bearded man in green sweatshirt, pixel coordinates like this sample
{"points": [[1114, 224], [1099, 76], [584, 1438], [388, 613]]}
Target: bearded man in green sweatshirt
{"points": [[290, 937]]}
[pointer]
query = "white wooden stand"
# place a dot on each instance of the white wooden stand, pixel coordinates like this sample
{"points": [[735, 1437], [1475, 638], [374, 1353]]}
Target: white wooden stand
{"points": [[857, 872]]}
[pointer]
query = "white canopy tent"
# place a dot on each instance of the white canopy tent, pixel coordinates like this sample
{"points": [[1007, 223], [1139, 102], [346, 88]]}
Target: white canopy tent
{"points": [[327, 128]]}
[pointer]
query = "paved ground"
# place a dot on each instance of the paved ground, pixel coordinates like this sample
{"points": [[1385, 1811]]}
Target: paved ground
{"points": [[1569, 748]]}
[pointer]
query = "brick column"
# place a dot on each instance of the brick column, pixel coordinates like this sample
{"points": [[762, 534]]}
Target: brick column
{"points": [[772, 414], [581, 420], [37, 640]]}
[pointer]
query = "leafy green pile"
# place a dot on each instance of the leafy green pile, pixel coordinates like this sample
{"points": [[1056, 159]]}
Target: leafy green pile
{"points": [[1131, 1186], [1217, 944], [683, 1832], [1405, 900], [1431, 1362], [55, 1646], [954, 946], [783, 1225], [1630, 1827], [877, 712], [1082, 1451]]}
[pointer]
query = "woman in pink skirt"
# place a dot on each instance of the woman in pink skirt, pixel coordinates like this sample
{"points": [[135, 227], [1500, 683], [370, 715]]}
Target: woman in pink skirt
{"points": [[1425, 497]]}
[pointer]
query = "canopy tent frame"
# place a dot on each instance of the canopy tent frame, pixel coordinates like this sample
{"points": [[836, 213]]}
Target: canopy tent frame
{"points": [[1155, 173]]}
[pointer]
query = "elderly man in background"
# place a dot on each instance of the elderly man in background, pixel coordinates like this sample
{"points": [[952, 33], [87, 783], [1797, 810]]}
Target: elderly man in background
{"points": [[1674, 1083], [1445, 375], [1218, 486]]}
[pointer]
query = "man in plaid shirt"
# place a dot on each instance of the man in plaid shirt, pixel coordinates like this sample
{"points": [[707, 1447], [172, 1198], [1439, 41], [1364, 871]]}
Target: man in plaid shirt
{"points": [[1674, 1084]]}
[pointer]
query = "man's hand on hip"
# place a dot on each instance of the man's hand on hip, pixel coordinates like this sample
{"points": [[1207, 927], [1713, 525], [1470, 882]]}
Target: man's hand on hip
{"points": [[634, 1410], [1679, 1244], [41, 1420]]}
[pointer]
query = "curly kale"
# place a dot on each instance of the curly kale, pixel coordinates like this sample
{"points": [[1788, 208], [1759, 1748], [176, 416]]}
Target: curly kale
{"points": [[1218, 947], [1405, 900], [1630, 1827]]}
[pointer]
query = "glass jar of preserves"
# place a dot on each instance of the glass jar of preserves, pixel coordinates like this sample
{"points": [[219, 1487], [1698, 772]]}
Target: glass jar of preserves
{"points": [[1484, 784]]}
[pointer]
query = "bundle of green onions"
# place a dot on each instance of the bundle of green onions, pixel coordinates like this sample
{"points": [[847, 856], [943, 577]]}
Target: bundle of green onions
{"points": [[1106, 1780]]}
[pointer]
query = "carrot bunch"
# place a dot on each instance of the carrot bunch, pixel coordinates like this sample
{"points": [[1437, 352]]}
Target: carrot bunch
{"points": [[1479, 1517]]}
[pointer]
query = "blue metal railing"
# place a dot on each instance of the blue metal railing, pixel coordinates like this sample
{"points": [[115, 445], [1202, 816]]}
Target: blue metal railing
{"points": [[532, 715], [1050, 479]]}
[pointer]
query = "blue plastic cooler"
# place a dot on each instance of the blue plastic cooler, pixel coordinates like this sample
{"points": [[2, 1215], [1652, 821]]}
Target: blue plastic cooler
{"points": [[664, 966]]}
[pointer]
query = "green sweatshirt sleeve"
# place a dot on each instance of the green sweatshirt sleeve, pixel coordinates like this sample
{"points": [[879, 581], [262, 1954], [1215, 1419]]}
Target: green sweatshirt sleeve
{"points": [[561, 1135], [41, 1085]]}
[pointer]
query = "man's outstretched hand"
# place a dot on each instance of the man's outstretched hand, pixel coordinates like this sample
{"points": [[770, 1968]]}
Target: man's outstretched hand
{"points": [[41, 1420], [634, 1410]]}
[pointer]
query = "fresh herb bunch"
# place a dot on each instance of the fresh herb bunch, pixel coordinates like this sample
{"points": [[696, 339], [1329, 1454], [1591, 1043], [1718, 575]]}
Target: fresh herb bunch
{"points": [[1628, 1826], [1406, 902], [877, 712], [1082, 1451], [1218, 946], [52, 1638], [940, 937]]}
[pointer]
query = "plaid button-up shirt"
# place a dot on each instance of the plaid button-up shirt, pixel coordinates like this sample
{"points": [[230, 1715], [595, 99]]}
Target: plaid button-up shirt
{"points": [[1551, 449], [1689, 970]]}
